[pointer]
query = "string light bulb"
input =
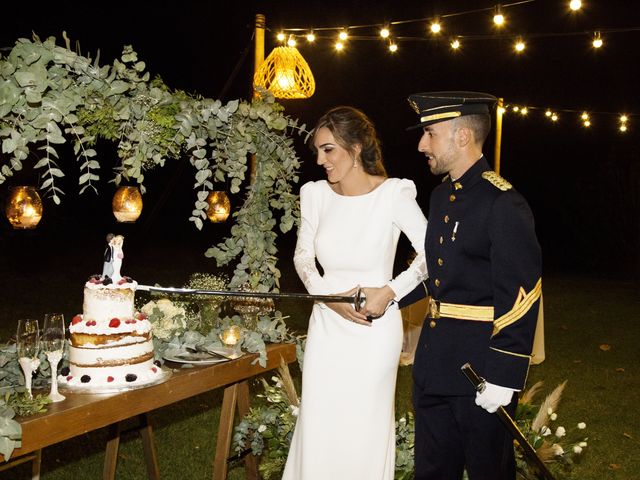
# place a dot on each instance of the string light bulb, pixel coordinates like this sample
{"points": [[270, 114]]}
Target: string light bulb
{"points": [[339, 46], [281, 37], [516, 108], [311, 37], [524, 111], [393, 47], [455, 44], [554, 117], [498, 17], [343, 35], [623, 127], [623, 118], [587, 123], [519, 46], [384, 32], [548, 113], [584, 116], [292, 41], [575, 5], [597, 40], [435, 27]]}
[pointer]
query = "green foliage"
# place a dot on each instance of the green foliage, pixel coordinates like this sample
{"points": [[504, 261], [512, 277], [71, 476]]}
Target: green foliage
{"points": [[49, 95]]}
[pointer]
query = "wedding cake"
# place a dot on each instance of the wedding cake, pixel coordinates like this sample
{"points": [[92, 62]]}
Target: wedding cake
{"points": [[110, 344]]}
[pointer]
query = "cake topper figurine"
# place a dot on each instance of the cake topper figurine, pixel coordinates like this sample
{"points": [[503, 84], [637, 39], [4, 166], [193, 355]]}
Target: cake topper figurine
{"points": [[107, 266], [116, 243]]}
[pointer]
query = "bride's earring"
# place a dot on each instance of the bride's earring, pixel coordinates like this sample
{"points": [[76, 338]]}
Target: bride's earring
{"points": [[355, 163]]}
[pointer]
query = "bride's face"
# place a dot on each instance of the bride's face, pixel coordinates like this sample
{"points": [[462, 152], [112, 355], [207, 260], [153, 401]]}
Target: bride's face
{"points": [[336, 160]]}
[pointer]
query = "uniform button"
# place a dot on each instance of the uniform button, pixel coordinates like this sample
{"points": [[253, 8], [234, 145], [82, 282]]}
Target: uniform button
{"points": [[440, 262], [452, 197], [437, 282], [441, 240], [457, 185], [432, 324], [446, 219]]}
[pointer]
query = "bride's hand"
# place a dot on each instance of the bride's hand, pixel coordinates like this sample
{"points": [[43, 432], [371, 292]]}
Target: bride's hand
{"points": [[346, 310], [377, 300]]}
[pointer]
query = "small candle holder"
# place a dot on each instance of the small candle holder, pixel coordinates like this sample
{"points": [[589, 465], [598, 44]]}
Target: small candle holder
{"points": [[231, 336]]}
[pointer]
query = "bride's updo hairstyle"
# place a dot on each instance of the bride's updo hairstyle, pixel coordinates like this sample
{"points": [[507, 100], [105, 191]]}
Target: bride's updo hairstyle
{"points": [[351, 127]]}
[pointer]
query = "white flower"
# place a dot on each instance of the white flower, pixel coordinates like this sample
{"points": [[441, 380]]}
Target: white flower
{"points": [[549, 411], [583, 444], [582, 425], [294, 410], [560, 432], [544, 430], [577, 449], [262, 428], [557, 449], [554, 416]]}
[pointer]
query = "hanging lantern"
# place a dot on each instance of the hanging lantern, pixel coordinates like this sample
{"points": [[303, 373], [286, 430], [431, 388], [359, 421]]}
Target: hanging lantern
{"points": [[286, 74], [24, 208], [127, 204], [219, 206]]}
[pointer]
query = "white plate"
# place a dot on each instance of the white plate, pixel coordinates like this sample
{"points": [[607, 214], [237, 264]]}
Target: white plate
{"points": [[197, 358]]}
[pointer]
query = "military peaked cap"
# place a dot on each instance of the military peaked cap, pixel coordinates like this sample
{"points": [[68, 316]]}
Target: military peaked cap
{"points": [[434, 107]]}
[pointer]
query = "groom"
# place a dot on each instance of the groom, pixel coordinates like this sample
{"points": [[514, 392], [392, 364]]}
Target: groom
{"points": [[484, 268]]}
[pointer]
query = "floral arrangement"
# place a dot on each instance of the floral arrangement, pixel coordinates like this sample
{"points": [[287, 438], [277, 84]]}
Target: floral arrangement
{"points": [[267, 429], [176, 332], [51, 95], [556, 445]]}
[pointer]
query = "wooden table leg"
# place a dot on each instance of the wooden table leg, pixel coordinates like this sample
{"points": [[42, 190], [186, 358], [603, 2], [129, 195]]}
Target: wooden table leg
{"points": [[111, 452], [234, 395], [150, 454]]}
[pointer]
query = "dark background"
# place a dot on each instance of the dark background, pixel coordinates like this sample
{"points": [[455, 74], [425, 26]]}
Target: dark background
{"points": [[582, 184]]}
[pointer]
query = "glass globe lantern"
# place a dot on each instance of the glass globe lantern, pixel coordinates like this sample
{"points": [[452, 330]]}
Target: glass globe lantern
{"points": [[24, 207], [127, 204], [219, 206]]}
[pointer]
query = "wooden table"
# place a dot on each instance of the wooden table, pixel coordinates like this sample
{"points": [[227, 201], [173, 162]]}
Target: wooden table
{"points": [[82, 413]]}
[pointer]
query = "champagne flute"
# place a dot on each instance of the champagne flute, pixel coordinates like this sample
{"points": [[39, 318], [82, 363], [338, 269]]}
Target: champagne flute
{"points": [[27, 346], [53, 338]]}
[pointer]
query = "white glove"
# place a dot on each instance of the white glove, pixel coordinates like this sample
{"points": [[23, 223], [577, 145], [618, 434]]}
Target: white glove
{"points": [[494, 396]]}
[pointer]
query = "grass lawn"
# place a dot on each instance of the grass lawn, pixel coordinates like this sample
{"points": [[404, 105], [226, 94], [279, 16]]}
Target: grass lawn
{"points": [[592, 337]]}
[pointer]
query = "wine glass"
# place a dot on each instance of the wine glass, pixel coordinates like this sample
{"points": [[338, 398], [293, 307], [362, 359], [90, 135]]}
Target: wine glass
{"points": [[53, 345], [27, 346]]}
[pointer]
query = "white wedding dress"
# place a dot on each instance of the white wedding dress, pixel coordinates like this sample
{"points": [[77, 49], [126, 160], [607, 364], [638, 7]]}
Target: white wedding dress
{"points": [[346, 424]]}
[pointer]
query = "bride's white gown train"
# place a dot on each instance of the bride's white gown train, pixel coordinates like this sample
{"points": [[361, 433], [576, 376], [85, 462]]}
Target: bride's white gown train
{"points": [[346, 425]]}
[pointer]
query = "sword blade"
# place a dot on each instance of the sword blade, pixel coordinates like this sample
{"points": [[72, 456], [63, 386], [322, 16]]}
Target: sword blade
{"points": [[357, 300], [541, 470]]}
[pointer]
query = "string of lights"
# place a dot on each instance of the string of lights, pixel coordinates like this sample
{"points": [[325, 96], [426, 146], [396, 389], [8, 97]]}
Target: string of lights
{"points": [[436, 31], [554, 115]]}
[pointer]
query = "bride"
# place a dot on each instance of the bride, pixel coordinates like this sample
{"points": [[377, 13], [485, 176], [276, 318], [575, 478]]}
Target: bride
{"points": [[351, 223]]}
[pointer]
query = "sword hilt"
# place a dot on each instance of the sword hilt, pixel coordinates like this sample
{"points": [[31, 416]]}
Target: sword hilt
{"points": [[478, 382]]}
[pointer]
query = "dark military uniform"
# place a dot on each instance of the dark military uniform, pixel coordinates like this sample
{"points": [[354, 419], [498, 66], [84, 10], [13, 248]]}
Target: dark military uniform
{"points": [[484, 267]]}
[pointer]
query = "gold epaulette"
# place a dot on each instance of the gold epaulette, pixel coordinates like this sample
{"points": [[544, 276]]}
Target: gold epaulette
{"points": [[499, 182]]}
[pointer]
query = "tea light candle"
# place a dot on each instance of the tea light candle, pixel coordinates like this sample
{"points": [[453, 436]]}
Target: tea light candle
{"points": [[230, 336]]}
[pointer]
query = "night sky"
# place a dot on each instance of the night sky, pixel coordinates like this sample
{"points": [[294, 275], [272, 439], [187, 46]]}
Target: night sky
{"points": [[583, 185]]}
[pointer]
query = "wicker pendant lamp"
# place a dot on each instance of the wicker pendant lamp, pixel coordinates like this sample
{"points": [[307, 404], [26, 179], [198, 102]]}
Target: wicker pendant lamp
{"points": [[286, 74]]}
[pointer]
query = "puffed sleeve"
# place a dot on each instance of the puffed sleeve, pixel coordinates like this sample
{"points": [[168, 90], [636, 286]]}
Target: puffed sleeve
{"points": [[304, 257], [517, 285], [408, 217]]}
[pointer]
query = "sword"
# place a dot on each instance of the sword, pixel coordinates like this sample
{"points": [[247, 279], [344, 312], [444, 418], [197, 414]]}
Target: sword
{"points": [[541, 470], [357, 300]]}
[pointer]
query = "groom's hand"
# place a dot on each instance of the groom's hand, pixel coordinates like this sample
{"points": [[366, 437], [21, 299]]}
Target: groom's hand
{"points": [[494, 396]]}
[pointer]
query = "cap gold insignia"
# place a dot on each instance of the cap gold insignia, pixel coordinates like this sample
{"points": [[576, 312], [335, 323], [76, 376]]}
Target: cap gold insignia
{"points": [[499, 182]]}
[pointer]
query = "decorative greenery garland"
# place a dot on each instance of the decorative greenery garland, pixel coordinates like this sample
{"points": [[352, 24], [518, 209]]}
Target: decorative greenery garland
{"points": [[49, 94]]}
